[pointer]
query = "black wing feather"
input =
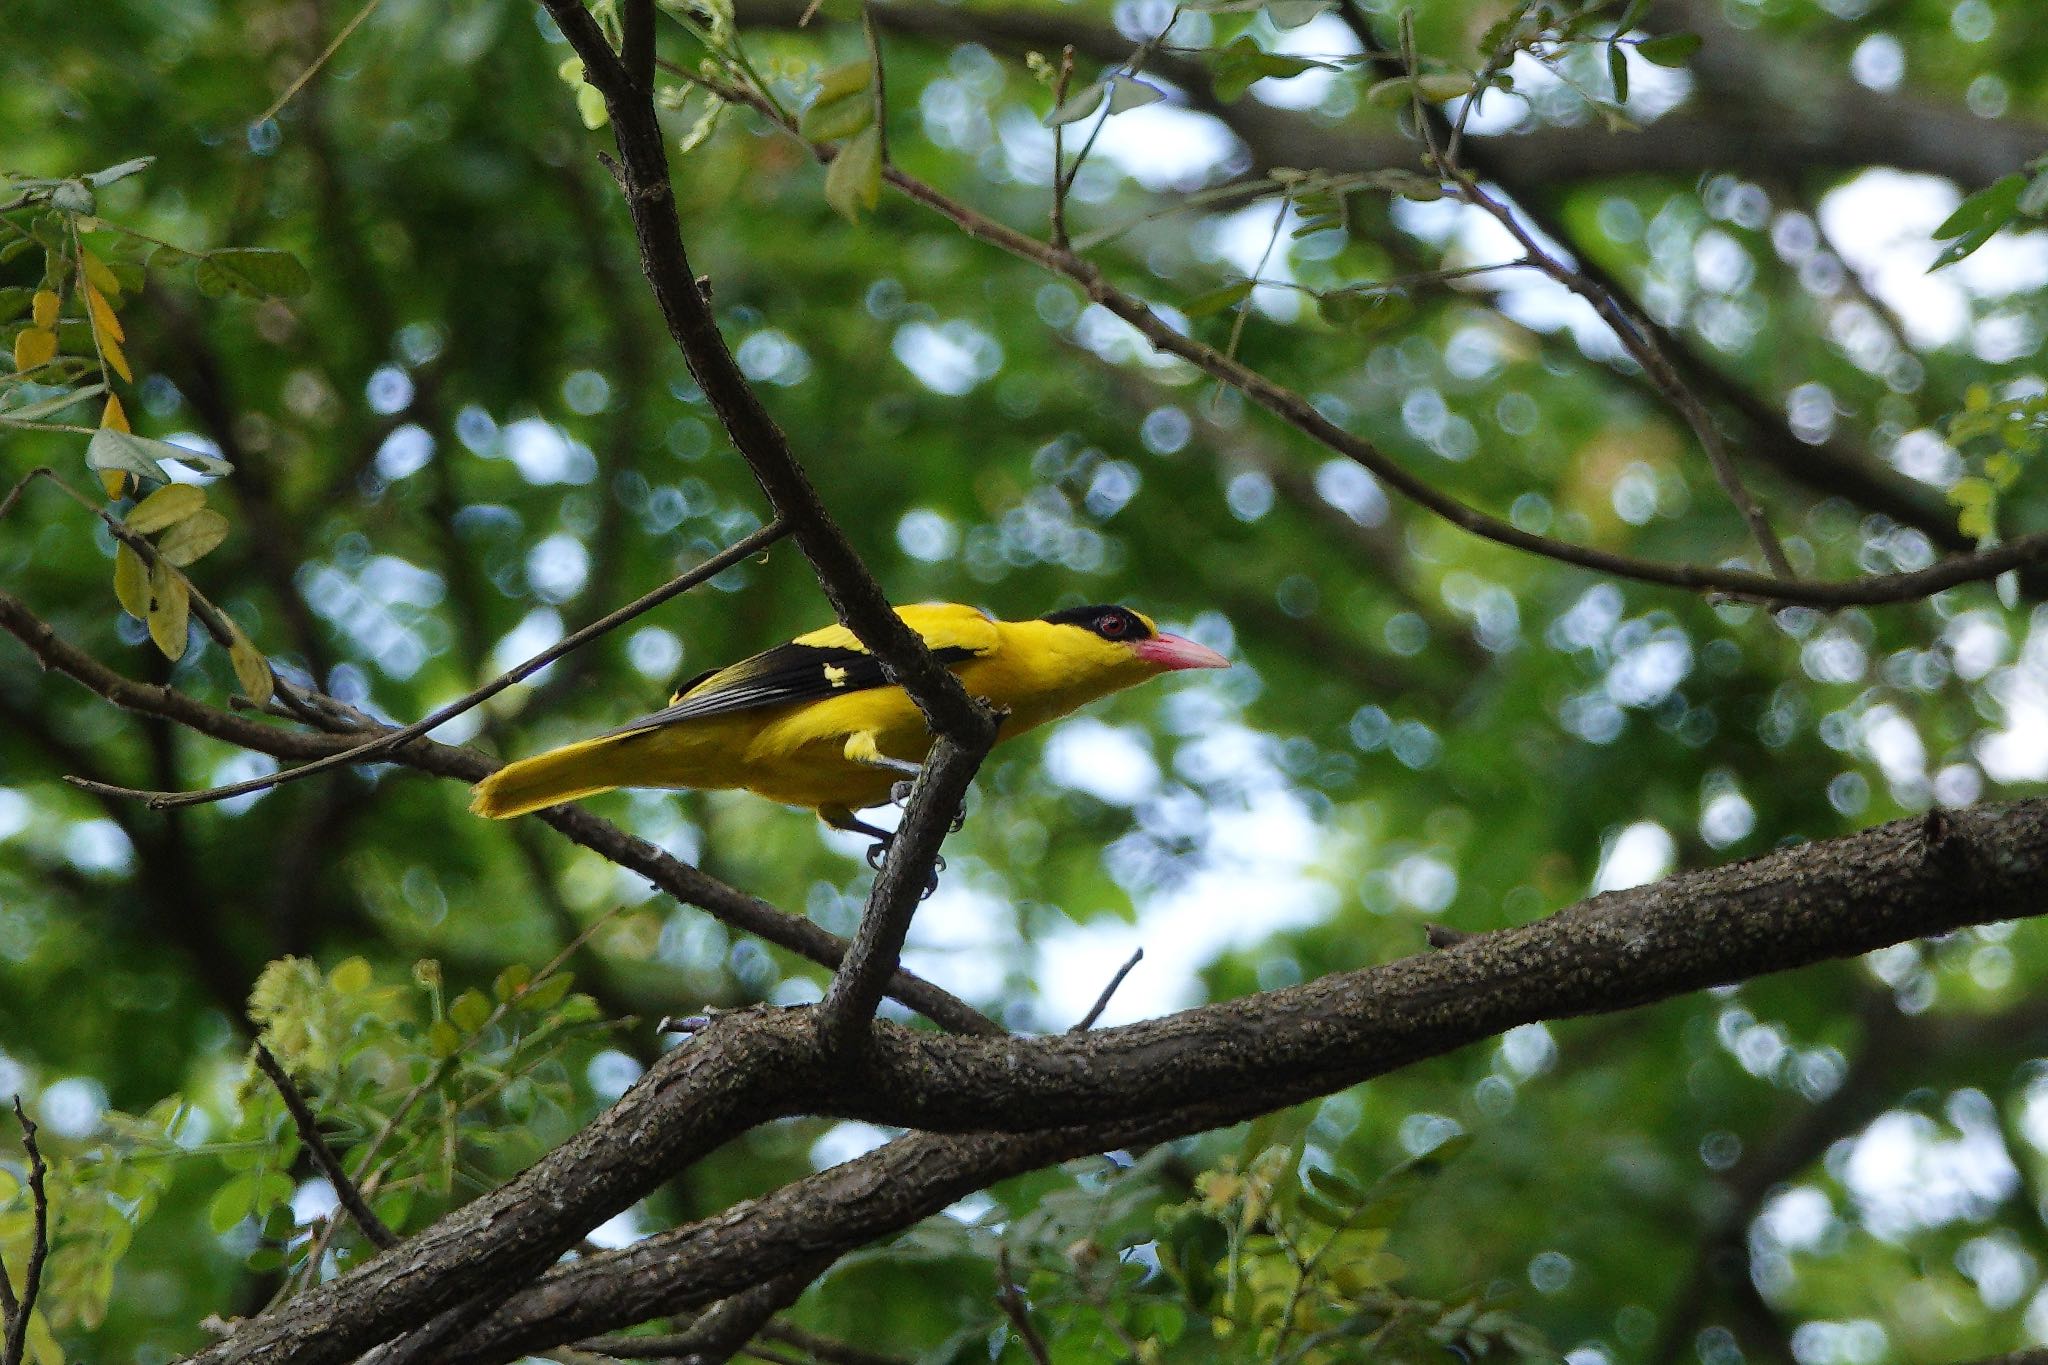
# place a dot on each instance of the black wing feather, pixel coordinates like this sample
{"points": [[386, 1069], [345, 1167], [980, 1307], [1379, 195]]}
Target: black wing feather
{"points": [[776, 677]]}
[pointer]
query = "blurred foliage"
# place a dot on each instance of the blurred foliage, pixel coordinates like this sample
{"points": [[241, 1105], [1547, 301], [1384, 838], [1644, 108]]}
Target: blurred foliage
{"points": [[462, 430]]}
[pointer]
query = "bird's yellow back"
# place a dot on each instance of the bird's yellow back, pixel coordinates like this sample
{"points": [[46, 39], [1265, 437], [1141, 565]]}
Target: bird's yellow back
{"points": [[816, 722]]}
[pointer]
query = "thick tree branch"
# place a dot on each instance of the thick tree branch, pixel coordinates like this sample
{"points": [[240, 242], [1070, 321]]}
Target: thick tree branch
{"points": [[1071, 1093]]}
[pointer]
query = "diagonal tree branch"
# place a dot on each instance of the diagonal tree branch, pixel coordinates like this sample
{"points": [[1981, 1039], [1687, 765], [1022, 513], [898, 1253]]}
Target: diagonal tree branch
{"points": [[1070, 1093], [906, 876], [643, 176]]}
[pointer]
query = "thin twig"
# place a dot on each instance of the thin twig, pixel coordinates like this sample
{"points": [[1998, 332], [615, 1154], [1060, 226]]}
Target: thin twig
{"points": [[876, 80], [1059, 151], [1011, 1300], [17, 1310], [1102, 1000], [1633, 333], [323, 1155], [385, 743], [326, 55]]}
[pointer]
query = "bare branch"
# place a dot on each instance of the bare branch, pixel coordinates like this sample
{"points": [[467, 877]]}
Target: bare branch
{"points": [[16, 1309], [385, 743], [323, 1155], [1011, 1300], [1102, 1000], [906, 875], [643, 175]]}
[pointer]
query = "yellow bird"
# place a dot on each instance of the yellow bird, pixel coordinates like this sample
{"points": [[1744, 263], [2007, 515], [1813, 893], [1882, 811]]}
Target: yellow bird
{"points": [[815, 722]]}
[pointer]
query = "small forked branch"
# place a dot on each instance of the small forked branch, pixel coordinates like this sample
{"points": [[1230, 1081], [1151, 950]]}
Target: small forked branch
{"points": [[16, 1309]]}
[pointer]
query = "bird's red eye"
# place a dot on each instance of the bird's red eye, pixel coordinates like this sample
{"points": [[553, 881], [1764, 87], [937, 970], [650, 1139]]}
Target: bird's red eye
{"points": [[1111, 627]]}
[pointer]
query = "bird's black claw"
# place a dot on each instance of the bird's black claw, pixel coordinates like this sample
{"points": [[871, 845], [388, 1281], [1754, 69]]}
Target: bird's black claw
{"points": [[932, 883], [899, 795], [958, 821], [877, 851]]}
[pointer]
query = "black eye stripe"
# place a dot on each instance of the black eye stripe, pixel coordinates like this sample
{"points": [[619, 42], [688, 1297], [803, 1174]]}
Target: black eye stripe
{"points": [[1106, 621]]}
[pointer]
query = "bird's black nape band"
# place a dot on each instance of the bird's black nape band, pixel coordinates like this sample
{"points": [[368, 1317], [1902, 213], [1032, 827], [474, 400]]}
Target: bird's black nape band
{"points": [[1128, 624]]}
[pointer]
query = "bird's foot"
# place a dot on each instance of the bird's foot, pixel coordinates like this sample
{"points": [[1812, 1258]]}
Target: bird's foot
{"points": [[899, 794], [878, 854]]}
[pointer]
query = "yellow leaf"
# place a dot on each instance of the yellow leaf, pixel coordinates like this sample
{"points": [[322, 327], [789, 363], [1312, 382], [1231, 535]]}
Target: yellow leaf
{"points": [[114, 415], [114, 481], [43, 308], [100, 277], [170, 609], [252, 670], [131, 582], [103, 316], [111, 350], [34, 346], [167, 506], [193, 538]]}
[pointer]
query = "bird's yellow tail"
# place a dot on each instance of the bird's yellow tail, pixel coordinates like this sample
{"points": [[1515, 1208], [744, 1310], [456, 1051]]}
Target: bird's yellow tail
{"points": [[565, 774]]}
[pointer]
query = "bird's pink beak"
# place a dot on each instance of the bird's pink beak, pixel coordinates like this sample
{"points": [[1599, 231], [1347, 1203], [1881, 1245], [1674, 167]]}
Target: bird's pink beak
{"points": [[1174, 651]]}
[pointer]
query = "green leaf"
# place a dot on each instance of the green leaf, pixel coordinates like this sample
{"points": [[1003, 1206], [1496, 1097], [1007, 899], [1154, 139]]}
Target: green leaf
{"points": [[1994, 204], [469, 1011], [1391, 93], [2033, 200], [511, 981], [167, 506], [853, 181], [1364, 311], [99, 180], [1216, 300], [350, 976], [1295, 13], [1617, 71], [444, 1039], [139, 455], [1673, 49], [1128, 93], [548, 992], [1076, 106], [838, 120], [193, 538], [258, 271], [1236, 68], [170, 609], [842, 107], [34, 411], [1190, 1245], [1443, 86], [252, 670], [232, 1202]]}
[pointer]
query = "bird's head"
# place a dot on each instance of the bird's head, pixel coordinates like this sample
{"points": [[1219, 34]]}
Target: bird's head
{"points": [[1123, 642]]}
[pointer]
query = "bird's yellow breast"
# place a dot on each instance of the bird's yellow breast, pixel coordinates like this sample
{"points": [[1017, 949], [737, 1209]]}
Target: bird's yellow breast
{"points": [[798, 754]]}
